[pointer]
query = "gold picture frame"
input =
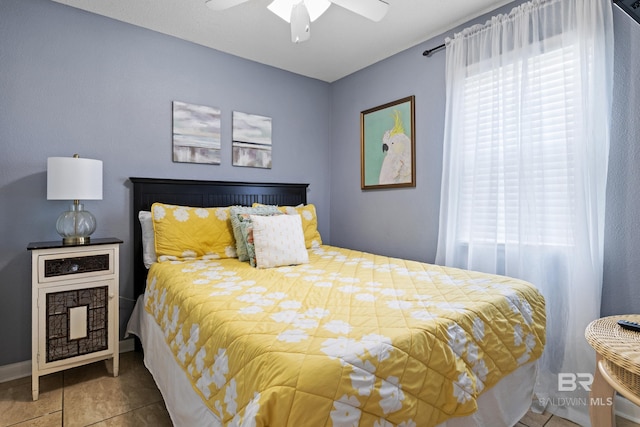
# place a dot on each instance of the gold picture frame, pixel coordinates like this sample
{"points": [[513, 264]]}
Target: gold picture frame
{"points": [[388, 145]]}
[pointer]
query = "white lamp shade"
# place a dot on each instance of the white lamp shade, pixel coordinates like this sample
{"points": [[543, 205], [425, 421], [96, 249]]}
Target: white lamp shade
{"points": [[74, 178]]}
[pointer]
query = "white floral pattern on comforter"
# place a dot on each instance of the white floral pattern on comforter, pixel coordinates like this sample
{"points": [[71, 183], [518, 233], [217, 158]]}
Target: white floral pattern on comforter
{"points": [[348, 339]]}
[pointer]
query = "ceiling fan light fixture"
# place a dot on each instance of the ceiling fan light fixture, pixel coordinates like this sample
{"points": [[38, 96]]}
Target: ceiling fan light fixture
{"points": [[300, 23], [300, 13]]}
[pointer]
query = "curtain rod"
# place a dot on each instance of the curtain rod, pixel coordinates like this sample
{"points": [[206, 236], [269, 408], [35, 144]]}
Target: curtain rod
{"points": [[430, 52]]}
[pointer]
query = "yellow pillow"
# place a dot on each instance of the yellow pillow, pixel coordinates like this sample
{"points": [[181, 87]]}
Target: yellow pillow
{"points": [[183, 232], [309, 222]]}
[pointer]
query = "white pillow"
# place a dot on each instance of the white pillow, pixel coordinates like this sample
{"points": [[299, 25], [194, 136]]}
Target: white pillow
{"points": [[278, 240], [148, 238]]}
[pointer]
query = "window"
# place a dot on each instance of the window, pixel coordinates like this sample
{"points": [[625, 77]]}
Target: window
{"points": [[499, 157]]}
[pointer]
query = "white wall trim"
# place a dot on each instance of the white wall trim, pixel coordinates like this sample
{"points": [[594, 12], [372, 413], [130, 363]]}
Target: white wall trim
{"points": [[127, 345], [15, 371], [23, 369], [626, 409]]}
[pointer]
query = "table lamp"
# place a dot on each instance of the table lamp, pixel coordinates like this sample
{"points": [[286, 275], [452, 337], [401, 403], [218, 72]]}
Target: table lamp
{"points": [[74, 178]]}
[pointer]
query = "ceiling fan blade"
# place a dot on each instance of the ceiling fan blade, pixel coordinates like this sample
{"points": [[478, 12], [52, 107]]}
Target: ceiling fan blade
{"points": [[282, 8], [316, 8], [222, 4], [374, 10]]}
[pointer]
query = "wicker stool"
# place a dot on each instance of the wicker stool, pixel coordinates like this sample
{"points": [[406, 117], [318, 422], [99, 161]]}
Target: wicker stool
{"points": [[618, 366]]}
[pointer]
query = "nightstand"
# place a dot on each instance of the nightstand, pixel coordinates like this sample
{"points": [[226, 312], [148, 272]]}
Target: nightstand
{"points": [[617, 366], [74, 295]]}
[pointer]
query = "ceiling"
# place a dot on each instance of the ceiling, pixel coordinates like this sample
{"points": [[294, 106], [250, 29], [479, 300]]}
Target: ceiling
{"points": [[341, 41]]}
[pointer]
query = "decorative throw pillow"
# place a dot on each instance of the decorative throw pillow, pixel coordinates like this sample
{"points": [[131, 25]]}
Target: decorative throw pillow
{"points": [[239, 217], [278, 241], [309, 222], [148, 240], [183, 232], [247, 234]]}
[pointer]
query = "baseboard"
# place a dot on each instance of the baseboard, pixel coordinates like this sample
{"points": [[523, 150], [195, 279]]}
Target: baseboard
{"points": [[127, 345], [23, 369], [15, 371], [627, 409]]}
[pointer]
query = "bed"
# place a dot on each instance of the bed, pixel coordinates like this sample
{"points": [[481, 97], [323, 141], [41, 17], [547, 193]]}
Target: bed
{"points": [[335, 337]]}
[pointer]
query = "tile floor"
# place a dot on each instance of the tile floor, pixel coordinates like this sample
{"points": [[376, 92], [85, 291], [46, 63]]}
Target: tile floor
{"points": [[86, 396], [90, 396]]}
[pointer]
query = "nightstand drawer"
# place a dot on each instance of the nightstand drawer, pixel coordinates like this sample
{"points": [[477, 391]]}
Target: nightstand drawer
{"points": [[75, 265]]}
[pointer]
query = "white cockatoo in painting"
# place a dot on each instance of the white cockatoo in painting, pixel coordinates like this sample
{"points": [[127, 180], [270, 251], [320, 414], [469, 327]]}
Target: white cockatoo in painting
{"points": [[396, 166]]}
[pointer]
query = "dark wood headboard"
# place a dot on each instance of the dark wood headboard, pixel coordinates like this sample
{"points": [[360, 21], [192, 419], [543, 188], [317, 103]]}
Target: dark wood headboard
{"points": [[147, 191]]}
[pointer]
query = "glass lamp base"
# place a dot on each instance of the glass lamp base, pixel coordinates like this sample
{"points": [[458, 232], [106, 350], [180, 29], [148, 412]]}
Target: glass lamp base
{"points": [[76, 225]]}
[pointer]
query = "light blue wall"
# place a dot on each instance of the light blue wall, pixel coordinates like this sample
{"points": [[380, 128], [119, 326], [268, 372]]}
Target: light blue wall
{"points": [[401, 222], [74, 82], [621, 293]]}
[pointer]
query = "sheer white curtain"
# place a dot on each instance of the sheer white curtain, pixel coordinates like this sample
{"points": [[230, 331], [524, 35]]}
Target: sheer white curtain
{"points": [[525, 168]]}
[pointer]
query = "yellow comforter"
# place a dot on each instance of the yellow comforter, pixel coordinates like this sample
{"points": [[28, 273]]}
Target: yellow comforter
{"points": [[348, 339]]}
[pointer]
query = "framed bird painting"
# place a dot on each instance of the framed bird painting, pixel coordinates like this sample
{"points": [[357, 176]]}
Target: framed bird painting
{"points": [[388, 145]]}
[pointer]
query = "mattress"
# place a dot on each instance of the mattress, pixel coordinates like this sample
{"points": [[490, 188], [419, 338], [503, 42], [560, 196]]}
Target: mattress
{"points": [[359, 338]]}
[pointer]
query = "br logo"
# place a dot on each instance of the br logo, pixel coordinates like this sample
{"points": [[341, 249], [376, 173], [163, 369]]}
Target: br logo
{"points": [[568, 381]]}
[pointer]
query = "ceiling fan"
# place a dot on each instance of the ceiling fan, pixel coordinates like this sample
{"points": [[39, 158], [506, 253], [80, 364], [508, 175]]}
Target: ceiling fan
{"points": [[300, 13]]}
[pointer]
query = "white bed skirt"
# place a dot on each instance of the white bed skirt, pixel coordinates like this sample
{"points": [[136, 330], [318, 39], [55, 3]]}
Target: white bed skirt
{"points": [[502, 405]]}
